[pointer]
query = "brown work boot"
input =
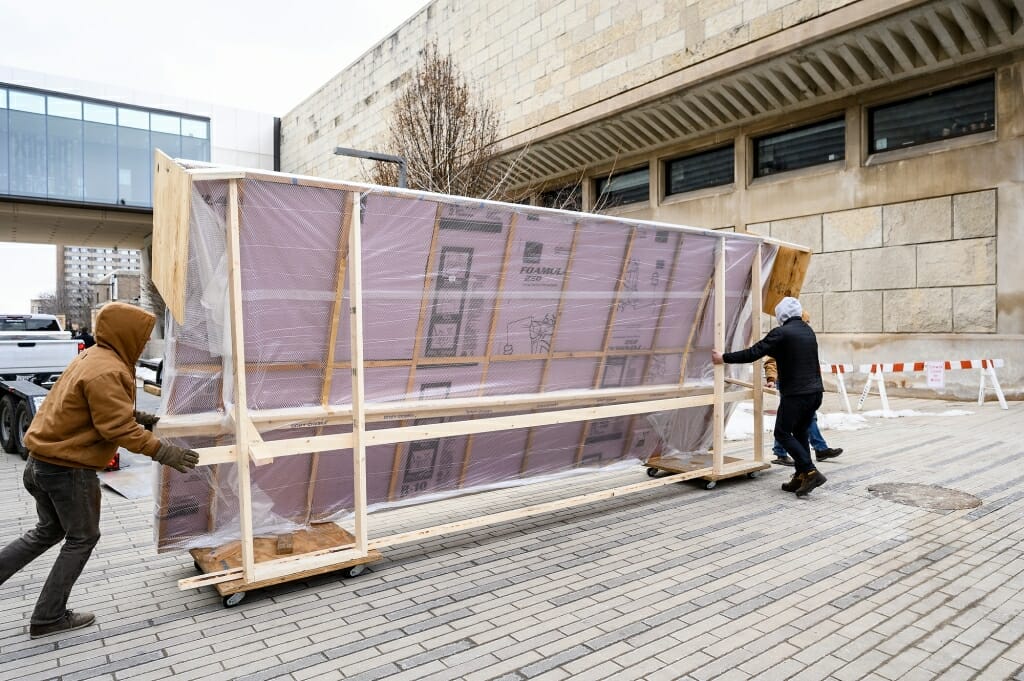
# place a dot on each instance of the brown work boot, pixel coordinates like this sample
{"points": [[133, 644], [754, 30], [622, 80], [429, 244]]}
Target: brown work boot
{"points": [[70, 622], [794, 483], [812, 478]]}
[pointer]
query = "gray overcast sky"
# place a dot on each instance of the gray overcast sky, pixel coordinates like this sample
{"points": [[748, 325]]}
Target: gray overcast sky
{"points": [[254, 54]]}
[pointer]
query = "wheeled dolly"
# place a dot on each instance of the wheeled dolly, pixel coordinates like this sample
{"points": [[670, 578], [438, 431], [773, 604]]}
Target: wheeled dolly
{"points": [[314, 538]]}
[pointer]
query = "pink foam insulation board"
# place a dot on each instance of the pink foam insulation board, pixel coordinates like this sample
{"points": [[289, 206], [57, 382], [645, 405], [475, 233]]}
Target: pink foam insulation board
{"points": [[461, 299]]}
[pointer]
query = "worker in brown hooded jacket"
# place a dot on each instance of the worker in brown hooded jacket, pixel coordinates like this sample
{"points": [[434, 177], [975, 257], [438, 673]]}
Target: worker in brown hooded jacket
{"points": [[88, 414]]}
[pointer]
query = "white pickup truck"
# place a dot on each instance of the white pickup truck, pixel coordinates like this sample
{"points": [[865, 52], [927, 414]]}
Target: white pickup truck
{"points": [[34, 350]]}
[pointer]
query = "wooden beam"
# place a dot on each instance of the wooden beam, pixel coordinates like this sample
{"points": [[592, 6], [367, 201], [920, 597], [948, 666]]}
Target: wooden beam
{"points": [[489, 425], [355, 288], [718, 434], [303, 445], [755, 334], [213, 423], [240, 407], [343, 554], [172, 201]]}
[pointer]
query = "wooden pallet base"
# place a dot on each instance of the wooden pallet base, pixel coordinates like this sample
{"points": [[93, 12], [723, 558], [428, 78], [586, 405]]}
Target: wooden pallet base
{"points": [[315, 538], [732, 467]]}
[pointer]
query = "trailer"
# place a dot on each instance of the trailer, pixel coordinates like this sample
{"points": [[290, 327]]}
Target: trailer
{"points": [[34, 351]]}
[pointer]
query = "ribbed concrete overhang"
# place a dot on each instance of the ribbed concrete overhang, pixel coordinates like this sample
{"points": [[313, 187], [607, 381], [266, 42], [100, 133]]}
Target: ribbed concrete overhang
{"points": [[98, 227], [847, 51]]}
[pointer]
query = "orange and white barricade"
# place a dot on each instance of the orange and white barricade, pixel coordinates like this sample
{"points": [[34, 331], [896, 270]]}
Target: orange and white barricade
{"points": [[838, 370], [986, 367]]}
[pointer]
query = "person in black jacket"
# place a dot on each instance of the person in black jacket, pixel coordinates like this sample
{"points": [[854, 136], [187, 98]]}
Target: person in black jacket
{"points": [[795, 348]]}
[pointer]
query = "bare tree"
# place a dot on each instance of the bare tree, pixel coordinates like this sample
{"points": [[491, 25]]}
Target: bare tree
{"points": [[49, 303], [151, 295], [445, 131]]}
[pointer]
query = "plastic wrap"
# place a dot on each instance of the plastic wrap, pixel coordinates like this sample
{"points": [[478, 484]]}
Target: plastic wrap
{"points": [[461, 298]]}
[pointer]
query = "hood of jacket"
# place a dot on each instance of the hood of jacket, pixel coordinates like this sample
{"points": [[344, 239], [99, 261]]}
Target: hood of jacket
{"points": [[787, 309], [125, 329]]}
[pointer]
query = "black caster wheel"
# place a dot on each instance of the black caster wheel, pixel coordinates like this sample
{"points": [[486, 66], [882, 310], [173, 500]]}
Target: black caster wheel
{"points": [[234, 599], [353, 570], [752, 474], [652, 472], [710, 484]]}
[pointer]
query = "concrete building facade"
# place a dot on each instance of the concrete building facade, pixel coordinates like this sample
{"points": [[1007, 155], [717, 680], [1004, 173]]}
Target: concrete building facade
{"points": [[887, 135]]}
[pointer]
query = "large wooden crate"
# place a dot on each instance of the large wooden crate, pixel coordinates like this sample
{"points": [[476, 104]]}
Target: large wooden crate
{"points": [[337, 347]]}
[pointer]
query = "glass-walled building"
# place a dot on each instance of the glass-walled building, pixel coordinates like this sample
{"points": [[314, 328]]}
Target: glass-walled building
{"points": [[72, 149]]}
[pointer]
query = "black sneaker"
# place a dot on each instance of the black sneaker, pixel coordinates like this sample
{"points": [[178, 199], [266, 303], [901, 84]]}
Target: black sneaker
{"points": [[70, 622], [783, 461], [812, 479], [794, 483], [828, 453]]}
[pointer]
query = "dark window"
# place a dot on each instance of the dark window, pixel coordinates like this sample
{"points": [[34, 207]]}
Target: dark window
{"points": [[27, 144], [569, 197], [809, 145], [74, 149], [953, 112], [707, 169], [28, 324], [3, 141], [631, 186]]}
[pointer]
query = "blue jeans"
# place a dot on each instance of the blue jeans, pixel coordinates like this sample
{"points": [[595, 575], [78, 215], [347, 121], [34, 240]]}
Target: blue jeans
{"points": [[813, 434], [68, 507]]}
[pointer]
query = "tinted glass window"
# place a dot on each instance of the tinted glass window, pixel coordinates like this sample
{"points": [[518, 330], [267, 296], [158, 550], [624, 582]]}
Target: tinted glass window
{"points": [[64, 159], [631, 186], [953, 112], [100, 163], [809, 145], [27, 154], [17, 324], [4, 136], [133, 167], [67, 149], [706, 169]]}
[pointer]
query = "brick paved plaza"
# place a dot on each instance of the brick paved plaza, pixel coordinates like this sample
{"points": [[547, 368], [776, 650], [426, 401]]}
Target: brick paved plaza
{"points": [[740, 582]]}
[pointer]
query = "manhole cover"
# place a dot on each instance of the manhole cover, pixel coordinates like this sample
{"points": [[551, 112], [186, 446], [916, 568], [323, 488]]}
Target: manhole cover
{"points": [[925, 496]]}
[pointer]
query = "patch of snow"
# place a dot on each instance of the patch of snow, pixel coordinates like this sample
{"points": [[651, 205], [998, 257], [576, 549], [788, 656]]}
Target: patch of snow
{"points": [[901, 413]]}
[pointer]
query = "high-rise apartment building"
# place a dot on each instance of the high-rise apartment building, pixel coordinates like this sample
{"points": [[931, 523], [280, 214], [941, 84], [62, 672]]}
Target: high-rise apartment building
{"points": [[78, 270]]}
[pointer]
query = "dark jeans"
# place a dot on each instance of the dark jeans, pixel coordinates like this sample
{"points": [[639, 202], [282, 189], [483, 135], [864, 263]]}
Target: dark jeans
{"points": [[68, 506], [792, 421]]}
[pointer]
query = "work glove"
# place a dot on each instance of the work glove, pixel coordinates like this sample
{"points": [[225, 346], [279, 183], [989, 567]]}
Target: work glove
{"points": [[180, 459], [145, 419]]}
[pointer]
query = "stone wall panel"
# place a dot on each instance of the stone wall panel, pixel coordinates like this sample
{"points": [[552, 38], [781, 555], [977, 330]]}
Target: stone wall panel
{"points": [[852, 312], [852, 229], [884, 268], [916, 222], [974, 309], [974, 215], [923, 310], [966, 262], [805, 231], [828, 272]]}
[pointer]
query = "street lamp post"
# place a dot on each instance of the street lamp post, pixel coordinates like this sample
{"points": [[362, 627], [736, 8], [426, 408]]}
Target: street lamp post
{"points": [[375, 156]]}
